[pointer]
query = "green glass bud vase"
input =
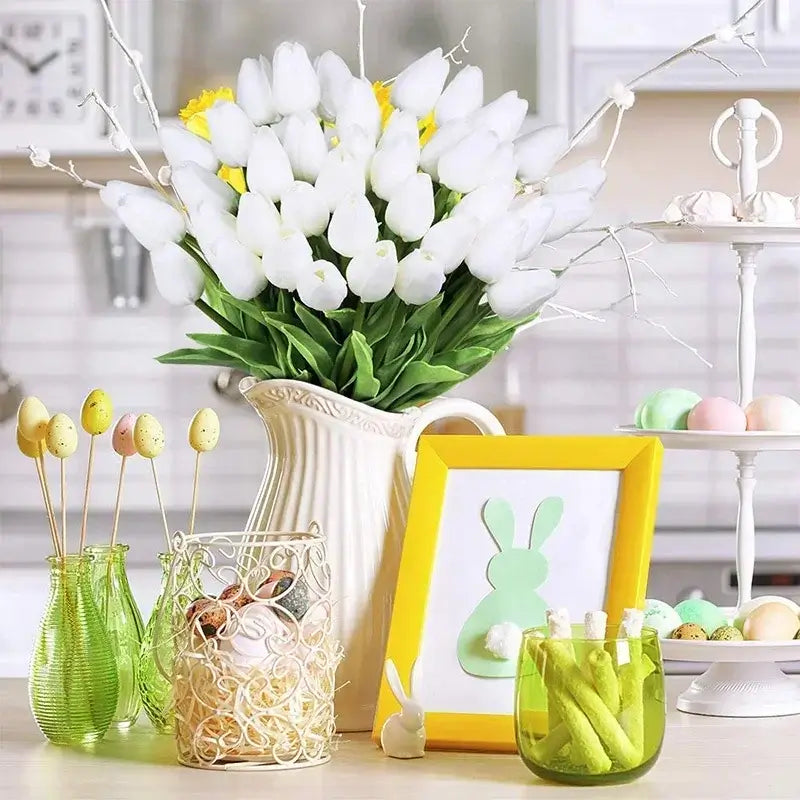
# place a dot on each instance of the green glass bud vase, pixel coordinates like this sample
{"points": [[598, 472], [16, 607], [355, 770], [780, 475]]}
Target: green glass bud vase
{"points": [[158, 652], [73, 683], [123, 623], [590, 711]]}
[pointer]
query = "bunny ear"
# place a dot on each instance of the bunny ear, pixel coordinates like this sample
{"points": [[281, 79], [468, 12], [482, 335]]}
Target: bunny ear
{"points": [[545, 520], [498, 517], [393, 679], [415, 681]]}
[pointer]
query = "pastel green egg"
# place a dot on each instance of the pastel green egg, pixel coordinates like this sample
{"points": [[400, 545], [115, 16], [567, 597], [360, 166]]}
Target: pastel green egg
{"points": [[204, 430], [61, 437], [702, 613], [668, 409], [97, 412], [32, 419], [148, 436]]}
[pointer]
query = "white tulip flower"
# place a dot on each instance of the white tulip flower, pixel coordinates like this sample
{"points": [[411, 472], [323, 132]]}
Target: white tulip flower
{"points": [[420, 278], [410, 211], [321, 286], [285, 257], [353, 226], [268, 169], [536, 214], [463, 167], [257, 222], [589, 176], [360, 107], [419, 85], [254, 91], [504, 116], [334, 77], [151, 220], [571, 210], [450, 240], [537, 152], [195, 185], [463, 96], [231, 133], [113, 193], [341, 174], [371, 274], [521, 293], [487, 202], [359, 144], [295, 86], [238, 268], [393, 164], [401, 125], [179, 279], [305, 146], [502, 165], [180, 144], [442, 140], [303, 208], [494, 251], [209, 224]]}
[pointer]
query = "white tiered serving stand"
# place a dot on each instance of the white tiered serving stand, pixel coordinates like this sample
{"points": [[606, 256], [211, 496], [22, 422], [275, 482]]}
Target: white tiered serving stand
{"points": [[744, 679]]}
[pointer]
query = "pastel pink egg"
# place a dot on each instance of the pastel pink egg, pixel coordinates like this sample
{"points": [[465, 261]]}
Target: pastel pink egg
{"points": [[717, 414], [773, 412], [122, 438]]}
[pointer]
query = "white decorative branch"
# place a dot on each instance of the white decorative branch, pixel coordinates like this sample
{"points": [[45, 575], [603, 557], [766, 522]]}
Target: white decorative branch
{"points": [[695, 51], [134, 58], [628, 269], [462, 45], [362, 7], [40, 158], [614, 136]]}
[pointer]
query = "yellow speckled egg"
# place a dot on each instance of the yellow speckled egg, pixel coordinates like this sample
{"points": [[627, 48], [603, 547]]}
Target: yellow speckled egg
{"points": [[148, 435], [27, 447], [62, 436], [204, 430], [32, 419], [97, 412], [772, 622]]}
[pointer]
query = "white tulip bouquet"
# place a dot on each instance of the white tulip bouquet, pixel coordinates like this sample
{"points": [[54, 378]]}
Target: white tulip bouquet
{"points": [[377, 239]]}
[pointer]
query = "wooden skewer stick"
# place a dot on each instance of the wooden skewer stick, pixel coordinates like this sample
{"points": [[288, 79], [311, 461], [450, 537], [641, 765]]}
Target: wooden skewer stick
{"points": [[118, 502], [48, 506], [161, 506], [86, 495], [194, 492], [63, 507]]}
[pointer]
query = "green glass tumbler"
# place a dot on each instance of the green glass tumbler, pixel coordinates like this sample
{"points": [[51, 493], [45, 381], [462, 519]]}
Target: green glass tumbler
{"points": [[589, 711], [158, 652], [123, 623], [73, 677]]}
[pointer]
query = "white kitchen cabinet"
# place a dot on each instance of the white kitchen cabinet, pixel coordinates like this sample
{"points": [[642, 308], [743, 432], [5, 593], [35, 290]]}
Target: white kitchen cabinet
{"points": [[781, 25]]}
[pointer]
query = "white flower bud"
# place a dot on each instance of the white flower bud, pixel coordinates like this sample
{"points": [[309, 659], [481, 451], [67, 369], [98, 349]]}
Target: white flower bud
{"points": [[536, 214], [196, 185], [353, 226], [295, 86], [521, 293], [537, 152], [504, 116], [463, 96], [334, 78], [401, 125], [321, 286], [571, 209], [286, 256], [238, 268], [442, 140], [589, 176], [39, 156], [463, 167], [254, 92], [304, 209], [360, 107], [112, 194], [231, 133], [305, 146], [178, 277], [151, 220], [420, 278], [486, 202], [181, 145], [494, 251], [257, 222], [393, 164], [450, 240], [341, 174], [410, 211], [268, 169], [371, 274], [419, 85]]}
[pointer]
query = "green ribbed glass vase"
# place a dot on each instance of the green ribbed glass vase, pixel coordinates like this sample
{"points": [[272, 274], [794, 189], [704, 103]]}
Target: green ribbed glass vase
{"points": [[73, 678], [158, 652], [123, 623]]}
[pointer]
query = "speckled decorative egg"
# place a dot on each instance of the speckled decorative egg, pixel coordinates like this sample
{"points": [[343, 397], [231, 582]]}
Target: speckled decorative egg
{"points": [[294, 598], [668, 409], [703, 613], [689, 630], [726, 633], [661, 616], [267, 587], [746, 609], [204, 430], [771, 622], [62, 436], [148, 435], [235, 595], [122, 436], [717, 414], [97, 412], [206, 614], [773, 412], [32, 419], [27, 447]]}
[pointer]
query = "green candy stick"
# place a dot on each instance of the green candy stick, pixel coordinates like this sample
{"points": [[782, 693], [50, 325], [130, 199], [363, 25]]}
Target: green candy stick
{"points": [[601, 669], [631, 680], [587, 748]]}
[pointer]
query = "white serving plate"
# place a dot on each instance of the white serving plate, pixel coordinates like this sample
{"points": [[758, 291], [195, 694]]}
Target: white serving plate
{"points": [[729, 652], [722, 233], [747, 442]]}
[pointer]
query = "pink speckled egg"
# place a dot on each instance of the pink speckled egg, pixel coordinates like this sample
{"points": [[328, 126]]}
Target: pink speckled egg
{"points": [[122, 437], [717, 414], [773, 412]]}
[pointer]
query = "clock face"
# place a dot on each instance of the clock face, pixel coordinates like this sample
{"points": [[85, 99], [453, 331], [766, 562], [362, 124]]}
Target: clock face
{"points": [[43, 66]]}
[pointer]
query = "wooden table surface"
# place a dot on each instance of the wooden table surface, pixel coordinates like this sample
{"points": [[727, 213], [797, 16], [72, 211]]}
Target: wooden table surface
{"points": [[704, 758]]}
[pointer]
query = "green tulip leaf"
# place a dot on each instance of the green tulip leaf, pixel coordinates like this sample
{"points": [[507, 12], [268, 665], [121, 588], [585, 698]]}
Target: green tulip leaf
{"points": [[367, 385]]}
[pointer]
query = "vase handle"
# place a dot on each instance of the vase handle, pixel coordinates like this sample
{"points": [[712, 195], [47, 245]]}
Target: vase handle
{"points": [[441, 408]]}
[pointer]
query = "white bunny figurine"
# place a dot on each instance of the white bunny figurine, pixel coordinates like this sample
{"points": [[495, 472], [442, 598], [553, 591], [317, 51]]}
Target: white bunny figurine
{"points": [[403, 734]]}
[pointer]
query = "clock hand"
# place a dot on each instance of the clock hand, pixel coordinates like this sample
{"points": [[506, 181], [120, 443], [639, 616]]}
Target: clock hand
{"points": [[35, 68], [15, 54]]}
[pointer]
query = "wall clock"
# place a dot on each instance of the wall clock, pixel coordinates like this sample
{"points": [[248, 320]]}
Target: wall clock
{"points": [[52, 53]]}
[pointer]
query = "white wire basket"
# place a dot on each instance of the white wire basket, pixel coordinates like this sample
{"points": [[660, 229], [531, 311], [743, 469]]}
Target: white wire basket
{"points": [[255, 659]]}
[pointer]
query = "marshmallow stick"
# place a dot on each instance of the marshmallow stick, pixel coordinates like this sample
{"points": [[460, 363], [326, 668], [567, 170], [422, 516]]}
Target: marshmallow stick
{"points": [[595, 625], [558, 623], [631, 678]]}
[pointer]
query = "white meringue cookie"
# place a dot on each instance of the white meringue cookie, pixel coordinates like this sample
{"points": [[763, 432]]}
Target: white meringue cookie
{"points": [[702, 206], [769, 207]]}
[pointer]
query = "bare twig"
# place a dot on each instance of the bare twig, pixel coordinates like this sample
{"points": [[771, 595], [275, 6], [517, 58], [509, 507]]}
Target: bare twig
{"points": [[134, 59], [649, 267], [716, 60], [664, 329], [628, 268], [751, 46], [614, 136], [462, 45], [40, 157], [362, 7]]}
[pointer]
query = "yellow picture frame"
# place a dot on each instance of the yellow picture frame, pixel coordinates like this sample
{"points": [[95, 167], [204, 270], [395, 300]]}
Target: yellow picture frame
{"points": [[638, 459]]}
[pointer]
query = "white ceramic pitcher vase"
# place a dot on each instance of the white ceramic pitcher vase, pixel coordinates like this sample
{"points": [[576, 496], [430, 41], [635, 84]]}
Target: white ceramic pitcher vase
{"points": [[346, 466]]}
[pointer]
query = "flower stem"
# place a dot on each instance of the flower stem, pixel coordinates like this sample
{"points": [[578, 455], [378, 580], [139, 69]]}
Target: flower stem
{"points": [[218, 318]]}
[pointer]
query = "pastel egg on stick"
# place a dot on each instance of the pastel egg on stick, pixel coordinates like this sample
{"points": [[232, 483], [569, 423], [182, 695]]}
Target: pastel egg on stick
{"points": [[148, 436], [32, 419], [203, 437], [33, 450], [124, 446], [61, 439]]}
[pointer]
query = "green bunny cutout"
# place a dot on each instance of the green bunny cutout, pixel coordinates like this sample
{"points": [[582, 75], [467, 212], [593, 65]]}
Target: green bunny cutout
{"points": [[515, 575]]}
